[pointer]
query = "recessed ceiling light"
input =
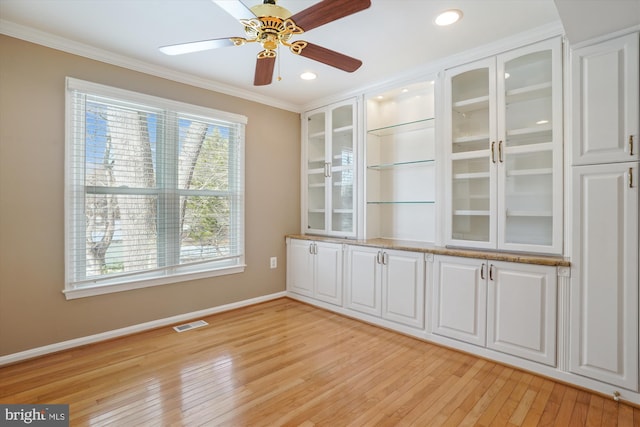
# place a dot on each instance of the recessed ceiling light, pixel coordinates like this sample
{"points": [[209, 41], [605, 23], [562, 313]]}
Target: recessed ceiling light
{"points": [[542, 122], [448, 17], [308, 75]]}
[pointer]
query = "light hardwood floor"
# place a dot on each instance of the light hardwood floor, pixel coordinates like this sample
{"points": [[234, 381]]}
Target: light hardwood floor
{"points": [[287, 363]]}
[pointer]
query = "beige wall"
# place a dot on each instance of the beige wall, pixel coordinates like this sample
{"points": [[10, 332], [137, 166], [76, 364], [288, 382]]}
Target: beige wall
{"points": [[33, 310]]}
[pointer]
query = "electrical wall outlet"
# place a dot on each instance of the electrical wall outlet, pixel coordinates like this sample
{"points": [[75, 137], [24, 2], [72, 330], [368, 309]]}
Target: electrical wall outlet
{"points": [[273, 262]]}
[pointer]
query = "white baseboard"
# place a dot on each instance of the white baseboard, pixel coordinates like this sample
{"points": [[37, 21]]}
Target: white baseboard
{"points": [[65, 345]]}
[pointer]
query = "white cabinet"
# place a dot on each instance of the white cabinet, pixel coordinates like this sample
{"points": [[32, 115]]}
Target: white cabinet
{"points": [[314, 269], [604, 278], [504, 306], [605, 101], [503, 146], [386, 283], [459, 307], [329, 169], [400, 163]]}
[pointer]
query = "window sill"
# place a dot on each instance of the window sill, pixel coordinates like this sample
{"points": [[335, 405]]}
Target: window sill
{"points": [[89, 291]]}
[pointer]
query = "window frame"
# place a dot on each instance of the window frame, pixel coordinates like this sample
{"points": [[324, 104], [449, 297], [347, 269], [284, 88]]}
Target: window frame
{"points": [[75, 192]]}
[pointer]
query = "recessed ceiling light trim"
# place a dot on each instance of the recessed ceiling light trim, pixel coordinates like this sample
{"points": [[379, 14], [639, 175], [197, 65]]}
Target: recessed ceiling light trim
{"points": [[308, 75], [448, 17]]}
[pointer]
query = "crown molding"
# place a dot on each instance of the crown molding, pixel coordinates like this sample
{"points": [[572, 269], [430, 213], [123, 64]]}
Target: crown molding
{"points": [[431, 68], [43, 38]]}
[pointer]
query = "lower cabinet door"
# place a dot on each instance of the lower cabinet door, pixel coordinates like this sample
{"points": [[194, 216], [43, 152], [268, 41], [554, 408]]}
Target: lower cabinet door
{"points": [[603, 324], [300, 263], [363, 281], [521, 310], [328, 272], [403, 287], [459, 300]]}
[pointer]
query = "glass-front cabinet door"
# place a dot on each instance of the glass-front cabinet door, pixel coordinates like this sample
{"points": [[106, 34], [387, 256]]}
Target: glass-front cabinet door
{"points": [[530, 148], [471, 169], [329, 197], [316, 171], [505, 151]]}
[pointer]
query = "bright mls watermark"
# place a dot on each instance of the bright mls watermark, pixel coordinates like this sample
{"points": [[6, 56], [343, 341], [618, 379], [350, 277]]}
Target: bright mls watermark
{"points": [[34, 415]]}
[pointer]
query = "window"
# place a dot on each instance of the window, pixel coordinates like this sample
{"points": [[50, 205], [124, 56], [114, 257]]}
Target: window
{"points": [[154, 191]]}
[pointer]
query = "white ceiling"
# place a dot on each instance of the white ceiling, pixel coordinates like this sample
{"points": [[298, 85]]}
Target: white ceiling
{"points": [[392, 38]]}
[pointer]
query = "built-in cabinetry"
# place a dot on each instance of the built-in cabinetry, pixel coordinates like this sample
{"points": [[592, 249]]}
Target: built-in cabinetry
{"points": [[329, 170], [508, 307], [503, 149], [605, 179], [400, 163], [314, 269], [604, 288], [604, 100], [386, 283]]}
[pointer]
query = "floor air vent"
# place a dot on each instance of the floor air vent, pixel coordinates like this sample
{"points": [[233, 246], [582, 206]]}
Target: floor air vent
{"points": [[188, 326]]}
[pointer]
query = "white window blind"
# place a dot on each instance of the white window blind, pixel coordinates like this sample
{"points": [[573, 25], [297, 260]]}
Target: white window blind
{"points": [[155, 190]]}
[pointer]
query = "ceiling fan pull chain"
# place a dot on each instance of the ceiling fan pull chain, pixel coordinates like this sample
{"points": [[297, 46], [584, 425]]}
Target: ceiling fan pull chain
{"points": [[278, 58]]}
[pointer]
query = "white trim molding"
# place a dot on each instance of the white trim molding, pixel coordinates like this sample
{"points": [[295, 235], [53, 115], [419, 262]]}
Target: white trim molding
{"points": [[43, 38], [129, 330]]}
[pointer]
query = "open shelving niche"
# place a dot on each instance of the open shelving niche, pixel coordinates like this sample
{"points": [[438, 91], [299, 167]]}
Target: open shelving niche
{"points": [[400, 164]]}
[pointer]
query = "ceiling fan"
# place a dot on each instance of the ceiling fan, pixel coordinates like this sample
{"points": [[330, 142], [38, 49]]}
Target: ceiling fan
{"points": [[272, 25]]}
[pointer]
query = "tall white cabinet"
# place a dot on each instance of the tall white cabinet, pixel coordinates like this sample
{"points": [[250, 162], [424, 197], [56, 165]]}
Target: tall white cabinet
{"points": [[503, 143], [329, 170], [604, 318]]}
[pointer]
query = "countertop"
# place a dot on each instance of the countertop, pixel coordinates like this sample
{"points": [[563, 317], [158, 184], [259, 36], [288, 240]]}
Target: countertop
{"points": [[408, 245]]}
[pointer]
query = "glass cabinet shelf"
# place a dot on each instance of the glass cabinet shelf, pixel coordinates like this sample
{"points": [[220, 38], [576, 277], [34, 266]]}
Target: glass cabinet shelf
{"points": [[471, 212], [529, 213], [530, 172], [396, 164], [472, 104], [531, 130], [471, 175], [397, 202], [527, 93], [403, 127], [316, 135], [471, 138], [343, 129]]}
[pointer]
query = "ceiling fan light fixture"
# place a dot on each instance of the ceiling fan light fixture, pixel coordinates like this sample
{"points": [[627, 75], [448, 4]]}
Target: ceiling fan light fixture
{"points": [[448, 17], [270, 8], [308, 75]]}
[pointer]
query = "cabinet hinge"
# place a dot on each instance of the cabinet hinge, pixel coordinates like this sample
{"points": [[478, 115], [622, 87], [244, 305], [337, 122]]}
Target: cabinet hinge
{"points": [[564, 272]]}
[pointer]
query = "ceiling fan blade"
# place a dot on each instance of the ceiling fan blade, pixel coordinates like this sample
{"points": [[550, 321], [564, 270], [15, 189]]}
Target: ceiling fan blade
{"points": [[235, 8], [179, 49], [330, 57], [327, 11], [264, 71]]}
